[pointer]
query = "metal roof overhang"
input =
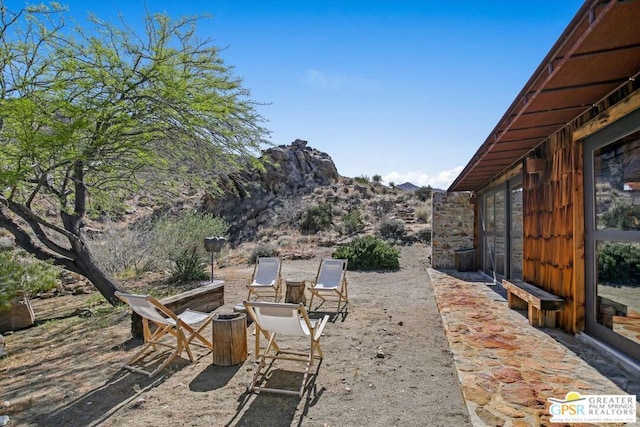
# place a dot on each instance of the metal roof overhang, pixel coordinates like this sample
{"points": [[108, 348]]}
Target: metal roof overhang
{"points": [[597, 53]]}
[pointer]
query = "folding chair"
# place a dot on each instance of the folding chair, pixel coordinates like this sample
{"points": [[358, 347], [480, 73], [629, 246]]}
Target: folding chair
{"points": [[273, 319], [182, 327], [331, 282], [266, 279]]}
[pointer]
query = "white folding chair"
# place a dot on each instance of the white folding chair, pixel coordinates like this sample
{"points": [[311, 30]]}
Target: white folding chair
{"points": [[266, 279], [184, 328], [331, 282], [274, 319]]}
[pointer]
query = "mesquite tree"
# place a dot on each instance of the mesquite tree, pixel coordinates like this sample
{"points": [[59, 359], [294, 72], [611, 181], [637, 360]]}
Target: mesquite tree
{"points": [[90, 115]]}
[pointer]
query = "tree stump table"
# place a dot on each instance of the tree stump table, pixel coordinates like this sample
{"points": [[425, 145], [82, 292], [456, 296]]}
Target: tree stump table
{"points": [[295, 292], [229, 339]]}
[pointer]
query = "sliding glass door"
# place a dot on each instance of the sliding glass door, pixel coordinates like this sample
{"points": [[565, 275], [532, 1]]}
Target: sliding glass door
{"points": [[501, 230], [612, 224]]}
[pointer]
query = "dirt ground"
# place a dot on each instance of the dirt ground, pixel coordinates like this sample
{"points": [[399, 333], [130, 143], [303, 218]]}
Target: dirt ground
{"points": [[386, 363]]}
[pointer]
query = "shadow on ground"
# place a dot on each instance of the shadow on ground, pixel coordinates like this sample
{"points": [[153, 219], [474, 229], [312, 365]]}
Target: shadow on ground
{"points": [[103, 401], [274, 409]]}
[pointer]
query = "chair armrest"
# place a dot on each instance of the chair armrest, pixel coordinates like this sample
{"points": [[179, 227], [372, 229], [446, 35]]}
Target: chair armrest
{"points": [[317, 331]]}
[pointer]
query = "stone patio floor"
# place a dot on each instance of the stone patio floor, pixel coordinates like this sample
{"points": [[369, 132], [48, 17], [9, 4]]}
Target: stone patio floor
{"points": [[508, 369]]}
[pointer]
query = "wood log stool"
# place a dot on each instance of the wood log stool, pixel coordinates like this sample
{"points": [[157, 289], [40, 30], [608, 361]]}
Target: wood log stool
{"points": [[229, 339], [295, 292]]}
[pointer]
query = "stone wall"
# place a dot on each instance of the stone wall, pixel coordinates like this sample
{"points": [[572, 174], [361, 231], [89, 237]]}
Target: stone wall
{"points": [[453, 219]]}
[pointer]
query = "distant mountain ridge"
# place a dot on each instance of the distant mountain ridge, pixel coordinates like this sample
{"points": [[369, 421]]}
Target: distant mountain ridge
{"points": [[407, 186]]}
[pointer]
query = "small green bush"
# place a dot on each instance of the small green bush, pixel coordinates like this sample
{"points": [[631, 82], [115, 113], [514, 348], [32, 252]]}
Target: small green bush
{"points": [[624, 216], [262, 250], [188, 265], [392, 229], [423, 215], [619, 264], [362, 179], [423, 193], [317, 218], [352, 222], [424, 235], [21, 273], [181, 241], [369, 253]]}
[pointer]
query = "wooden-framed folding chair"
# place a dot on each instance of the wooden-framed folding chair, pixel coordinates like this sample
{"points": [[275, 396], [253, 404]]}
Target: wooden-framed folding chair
{"points": [[331, 282], [273, 319], [266, 280], [184, 328]]}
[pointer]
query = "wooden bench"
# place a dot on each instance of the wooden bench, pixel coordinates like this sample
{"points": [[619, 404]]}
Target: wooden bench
{"points": [[540, 304], [204, 298]]}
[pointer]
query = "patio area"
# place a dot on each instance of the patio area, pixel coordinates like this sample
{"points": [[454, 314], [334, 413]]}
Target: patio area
{"points": [[508, 369]]}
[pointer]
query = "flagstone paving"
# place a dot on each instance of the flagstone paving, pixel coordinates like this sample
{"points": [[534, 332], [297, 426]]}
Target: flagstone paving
{"points": [[508, 369]]}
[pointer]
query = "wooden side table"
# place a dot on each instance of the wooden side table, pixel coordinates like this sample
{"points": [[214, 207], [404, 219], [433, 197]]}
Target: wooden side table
{"points": [[295, 292], [229, 339]]}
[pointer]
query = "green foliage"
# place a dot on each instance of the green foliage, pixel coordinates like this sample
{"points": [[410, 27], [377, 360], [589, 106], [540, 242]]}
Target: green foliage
{"points": [[352, 222], [624, 216], [90, 115], [181, 240], [424, 235], [423, 193], [19, 273], [619, 264], [188, 265], [317, 218], [376, 178], [362, 179], [423, 215], [392, 229], [262, 250], [369, 253]]}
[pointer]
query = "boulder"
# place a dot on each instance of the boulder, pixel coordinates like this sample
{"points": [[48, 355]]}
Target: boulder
{"points": [[254, 196]]}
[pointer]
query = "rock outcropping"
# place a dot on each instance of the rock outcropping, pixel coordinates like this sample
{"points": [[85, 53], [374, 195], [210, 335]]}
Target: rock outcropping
{"points": [[253, 196]]}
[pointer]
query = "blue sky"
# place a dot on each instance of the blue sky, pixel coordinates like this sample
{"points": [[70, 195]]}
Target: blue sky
{"points": [[403, 89]]}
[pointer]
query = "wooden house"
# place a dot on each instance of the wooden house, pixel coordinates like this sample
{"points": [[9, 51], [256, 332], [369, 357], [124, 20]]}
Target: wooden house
{"points": [[557, 181]]}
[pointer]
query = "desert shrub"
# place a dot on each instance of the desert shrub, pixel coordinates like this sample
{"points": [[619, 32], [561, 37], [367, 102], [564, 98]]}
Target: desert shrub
{"points": [[287, 213], [382, 206], [391, 229], [424, 235], [181, 241], [22, 273], [127, 249], [619, 264], [352, 222], [369, 253], [316, 218], [423, 193], [423, 215], [262, 250], [362, 179], [624, 216], [376, 178]]}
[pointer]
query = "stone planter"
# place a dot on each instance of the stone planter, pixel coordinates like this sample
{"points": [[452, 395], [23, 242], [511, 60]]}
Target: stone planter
{"points": [[19, 316]]}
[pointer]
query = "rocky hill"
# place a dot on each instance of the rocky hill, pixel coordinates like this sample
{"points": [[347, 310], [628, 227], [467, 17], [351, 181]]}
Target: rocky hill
{"points": [[266, 204]]}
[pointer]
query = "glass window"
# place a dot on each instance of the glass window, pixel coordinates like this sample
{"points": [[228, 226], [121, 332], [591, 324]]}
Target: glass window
{"points": [[515, 264], [612, 231], [617, 185], [618, 287]]}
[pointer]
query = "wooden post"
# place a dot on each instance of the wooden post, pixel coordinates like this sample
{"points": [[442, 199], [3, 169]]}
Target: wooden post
{"points": [[295, 292], [229, 339]]}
